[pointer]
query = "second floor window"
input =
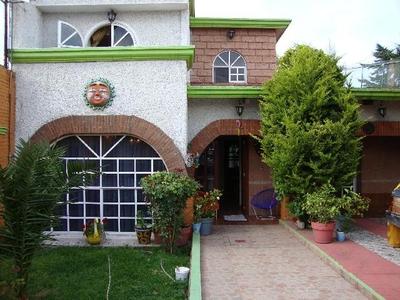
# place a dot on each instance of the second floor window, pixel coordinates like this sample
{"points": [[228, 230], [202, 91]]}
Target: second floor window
{"points": [[68, 36], [111, 36], [229, 66], [107, 36]]}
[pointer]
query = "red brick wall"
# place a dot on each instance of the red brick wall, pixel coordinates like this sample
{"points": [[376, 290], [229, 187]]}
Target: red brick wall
{"points": [[257, 46], [380, 172], [131, 125], [7, 114], [259, 176]]}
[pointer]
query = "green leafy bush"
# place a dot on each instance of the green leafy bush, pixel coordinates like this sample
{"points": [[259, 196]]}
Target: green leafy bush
{"points": [[166, 194]]}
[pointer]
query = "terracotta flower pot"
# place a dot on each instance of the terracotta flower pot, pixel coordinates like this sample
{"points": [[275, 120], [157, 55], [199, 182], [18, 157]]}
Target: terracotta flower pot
{"points": [[323, 233], [185, 233]]}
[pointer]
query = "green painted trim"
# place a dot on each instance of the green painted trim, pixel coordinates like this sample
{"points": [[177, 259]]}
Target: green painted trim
{"points": [[218, 91], [376, 94], [361, 285], [89, 54], [239, 23], [195, 269]]}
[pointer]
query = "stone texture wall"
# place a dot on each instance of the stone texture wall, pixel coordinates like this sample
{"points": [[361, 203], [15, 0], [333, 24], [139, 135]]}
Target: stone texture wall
{"points": [[257, 46]]}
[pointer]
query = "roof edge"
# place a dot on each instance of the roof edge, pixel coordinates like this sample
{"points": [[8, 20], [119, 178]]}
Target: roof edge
{"points": [[239, 23]]}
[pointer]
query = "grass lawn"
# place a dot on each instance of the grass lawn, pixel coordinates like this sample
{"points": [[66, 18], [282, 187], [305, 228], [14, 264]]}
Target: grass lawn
{"points": [[92, 272]]}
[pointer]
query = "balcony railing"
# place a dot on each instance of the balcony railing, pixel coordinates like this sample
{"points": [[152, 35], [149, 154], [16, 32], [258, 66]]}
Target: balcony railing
{"points": [[378, 75]]}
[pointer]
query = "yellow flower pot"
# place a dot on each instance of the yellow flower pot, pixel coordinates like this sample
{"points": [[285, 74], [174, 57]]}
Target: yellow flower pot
{"points": [[92, 240]]}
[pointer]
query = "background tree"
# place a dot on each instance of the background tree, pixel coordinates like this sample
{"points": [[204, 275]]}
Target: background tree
{"points": [[309, 124], [385, 72], [32, 186]]}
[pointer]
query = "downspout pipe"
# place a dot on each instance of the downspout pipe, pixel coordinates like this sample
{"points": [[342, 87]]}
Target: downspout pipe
{"points": [[6, 17]]}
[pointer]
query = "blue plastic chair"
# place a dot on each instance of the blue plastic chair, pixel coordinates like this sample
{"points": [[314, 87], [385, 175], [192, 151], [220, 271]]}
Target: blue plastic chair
{"points": [[264, 200]]}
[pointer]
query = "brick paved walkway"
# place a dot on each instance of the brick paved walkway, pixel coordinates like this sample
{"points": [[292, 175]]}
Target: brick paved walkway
{"points": [[266, 262]]}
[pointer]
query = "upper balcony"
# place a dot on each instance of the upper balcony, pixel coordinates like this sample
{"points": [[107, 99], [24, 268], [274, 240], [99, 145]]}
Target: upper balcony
{"points": [[379, 81], [383, 75]]}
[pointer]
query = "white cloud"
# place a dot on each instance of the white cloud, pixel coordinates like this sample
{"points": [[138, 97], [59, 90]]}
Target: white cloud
{"points": [[352, 28]]}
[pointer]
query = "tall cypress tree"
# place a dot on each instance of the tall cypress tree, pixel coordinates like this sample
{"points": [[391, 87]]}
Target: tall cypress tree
{"points": [[309, 124]]}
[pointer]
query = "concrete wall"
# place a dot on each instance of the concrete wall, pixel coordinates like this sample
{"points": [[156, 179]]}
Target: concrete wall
{"points": [[152, 91], [203, 112], [34, 29]]}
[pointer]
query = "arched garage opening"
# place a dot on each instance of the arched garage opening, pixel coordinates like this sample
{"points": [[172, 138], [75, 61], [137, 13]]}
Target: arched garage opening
{"points": [[125, 149]]}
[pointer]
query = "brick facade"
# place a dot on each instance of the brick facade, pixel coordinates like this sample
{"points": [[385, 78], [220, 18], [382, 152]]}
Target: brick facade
{"points": [[7, 114], [257, 46]]}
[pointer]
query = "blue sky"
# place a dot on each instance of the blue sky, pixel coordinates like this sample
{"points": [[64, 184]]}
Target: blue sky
{"points": [[351, 28]]}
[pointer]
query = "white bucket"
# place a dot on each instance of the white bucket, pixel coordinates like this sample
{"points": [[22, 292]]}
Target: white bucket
{"points": [[181, 273]]}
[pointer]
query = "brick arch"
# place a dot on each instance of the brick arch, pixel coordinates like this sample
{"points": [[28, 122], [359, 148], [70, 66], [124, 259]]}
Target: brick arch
{"points": [[129, 125], [222, 127]]}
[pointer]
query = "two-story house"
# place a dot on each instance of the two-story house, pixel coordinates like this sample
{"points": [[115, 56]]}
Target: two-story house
{"points": [[140, 86]]}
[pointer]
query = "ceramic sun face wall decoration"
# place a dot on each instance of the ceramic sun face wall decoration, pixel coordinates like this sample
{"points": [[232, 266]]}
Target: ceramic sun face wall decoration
{"points": [[99, 93]]}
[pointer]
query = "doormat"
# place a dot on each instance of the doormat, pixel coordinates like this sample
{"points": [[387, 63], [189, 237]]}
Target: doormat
{"points": [[235, 218]]}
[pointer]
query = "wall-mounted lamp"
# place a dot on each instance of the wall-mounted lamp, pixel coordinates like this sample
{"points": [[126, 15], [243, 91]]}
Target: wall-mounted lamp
{"points": [[382, 110], [231, 33], [111, 16], [239, 108]]}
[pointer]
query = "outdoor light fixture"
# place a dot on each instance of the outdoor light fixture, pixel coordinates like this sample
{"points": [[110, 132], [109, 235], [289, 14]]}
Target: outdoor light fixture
{"points": [[382, 110], [111, 16], [239, 108], [230, 33]]}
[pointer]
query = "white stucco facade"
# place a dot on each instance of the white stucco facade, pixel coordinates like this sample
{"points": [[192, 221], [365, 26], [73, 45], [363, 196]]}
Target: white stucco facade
{"points": [[152, 90], [205, 111], [34, 29]]}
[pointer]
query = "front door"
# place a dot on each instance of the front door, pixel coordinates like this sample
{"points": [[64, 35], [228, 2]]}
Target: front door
{"points": [[222, 166]]}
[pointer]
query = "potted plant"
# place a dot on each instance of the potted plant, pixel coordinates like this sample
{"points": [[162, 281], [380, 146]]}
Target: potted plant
{"points": [[167, 193], [324, 205], [206, 206], [299, 217], [94, 230], [343, 225], [354, 205], [143, 229], [197, 213]]}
